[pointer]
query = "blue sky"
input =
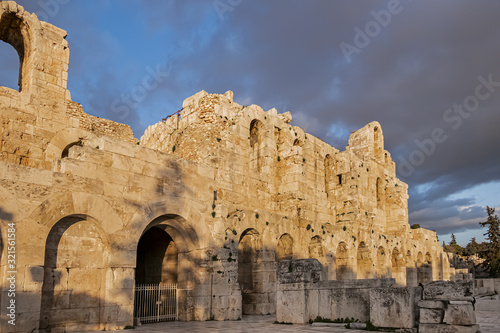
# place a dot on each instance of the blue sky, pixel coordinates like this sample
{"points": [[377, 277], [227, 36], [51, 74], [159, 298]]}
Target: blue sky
{"points": [[336, 65]]}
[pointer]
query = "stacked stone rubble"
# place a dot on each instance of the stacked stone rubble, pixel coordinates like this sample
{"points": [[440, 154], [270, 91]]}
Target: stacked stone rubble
{"points": [[446, 307]]}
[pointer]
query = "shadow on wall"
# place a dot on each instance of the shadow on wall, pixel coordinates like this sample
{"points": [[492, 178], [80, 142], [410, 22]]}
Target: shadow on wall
{"points": [[75, 279]]}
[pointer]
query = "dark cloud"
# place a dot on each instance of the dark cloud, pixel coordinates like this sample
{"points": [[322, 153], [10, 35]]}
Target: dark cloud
{"points": [[287, 54]]}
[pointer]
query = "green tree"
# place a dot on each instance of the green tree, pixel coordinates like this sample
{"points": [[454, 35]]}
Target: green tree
{"points": [[472, 248], [453, 240], [453, 247], [493, 236]]}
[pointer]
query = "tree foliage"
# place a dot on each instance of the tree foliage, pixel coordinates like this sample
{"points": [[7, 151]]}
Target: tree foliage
{"points": [[492, 254], [472, 248], [454, 247]]}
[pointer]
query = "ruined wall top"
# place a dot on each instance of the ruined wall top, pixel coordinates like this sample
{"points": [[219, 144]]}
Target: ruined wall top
{"points": [[43, 54], [219, 112]]}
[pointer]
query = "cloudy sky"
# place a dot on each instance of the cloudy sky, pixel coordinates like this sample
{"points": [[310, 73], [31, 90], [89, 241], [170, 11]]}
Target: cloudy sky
{"points": [[428, 71]]}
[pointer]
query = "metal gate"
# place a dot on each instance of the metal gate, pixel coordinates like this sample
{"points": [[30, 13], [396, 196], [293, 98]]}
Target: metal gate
{"points": [[155, 302]]}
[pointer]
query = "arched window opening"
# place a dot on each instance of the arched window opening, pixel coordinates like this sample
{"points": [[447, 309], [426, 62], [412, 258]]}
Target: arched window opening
{"points": [[316, 249], [10, 33], [382, 270], [254, 132], [65, 152], [377, 141], [256, 157], [364, 262], [284, 250], [330, 181], [380, 194], [9, 67]]}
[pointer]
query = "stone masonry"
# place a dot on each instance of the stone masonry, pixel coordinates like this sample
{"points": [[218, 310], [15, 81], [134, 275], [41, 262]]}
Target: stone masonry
{"points": [[211, 199]]}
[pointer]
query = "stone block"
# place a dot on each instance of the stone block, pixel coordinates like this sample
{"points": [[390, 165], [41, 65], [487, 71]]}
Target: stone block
{"points": [[449, 291], [290, 307], [392, 307], [431, 316], [459, 314], [432, 304], [443, 328]]}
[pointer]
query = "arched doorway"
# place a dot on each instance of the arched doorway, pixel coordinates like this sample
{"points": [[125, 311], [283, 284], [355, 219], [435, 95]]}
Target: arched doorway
{"points": [[165, 271], [156, 277], [364, 262], [156, 258], [73, 290]]}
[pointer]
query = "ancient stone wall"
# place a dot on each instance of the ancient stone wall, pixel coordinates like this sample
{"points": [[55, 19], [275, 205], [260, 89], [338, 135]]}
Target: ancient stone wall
{"points": [[232, 189]]}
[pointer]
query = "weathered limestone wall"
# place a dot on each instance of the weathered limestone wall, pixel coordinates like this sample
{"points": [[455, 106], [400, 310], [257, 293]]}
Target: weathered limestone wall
{"points": [[439, 306], [233, 190], [304, 294], [350, 204]]}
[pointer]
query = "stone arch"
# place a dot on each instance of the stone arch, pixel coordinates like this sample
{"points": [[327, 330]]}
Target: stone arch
{"points": [[398, 267], [382, 270], [77, 203], [60, 143], [364, 262], [342, 262], [284, 250], [74, 279], [184, 221], [181, 262], [255, 137]]}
